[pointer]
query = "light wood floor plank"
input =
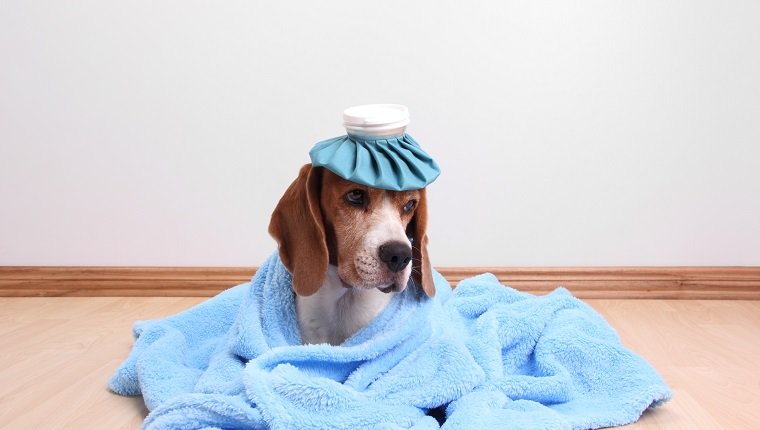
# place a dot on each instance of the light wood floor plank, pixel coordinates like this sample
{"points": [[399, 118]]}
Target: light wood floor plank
{"points": [[56, 355]]}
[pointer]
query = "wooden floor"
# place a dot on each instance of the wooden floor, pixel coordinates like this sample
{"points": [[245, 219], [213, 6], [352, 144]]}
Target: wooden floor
{"points": [[56, 355]]}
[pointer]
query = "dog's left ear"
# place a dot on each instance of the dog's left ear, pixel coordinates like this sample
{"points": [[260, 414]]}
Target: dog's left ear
{"points": [[421, 271], [298, 228]]}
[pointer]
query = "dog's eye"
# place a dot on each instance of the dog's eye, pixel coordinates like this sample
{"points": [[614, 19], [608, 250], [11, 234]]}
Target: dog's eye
{"points": [[354, 198], [409, 206]]}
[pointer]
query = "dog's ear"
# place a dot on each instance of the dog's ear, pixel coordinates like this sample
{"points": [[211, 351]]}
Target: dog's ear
{"points": [[298, 228], [421, 270]]}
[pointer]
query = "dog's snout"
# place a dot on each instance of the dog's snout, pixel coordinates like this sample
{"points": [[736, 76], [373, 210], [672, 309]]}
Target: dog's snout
{"points": [[396, 255]]}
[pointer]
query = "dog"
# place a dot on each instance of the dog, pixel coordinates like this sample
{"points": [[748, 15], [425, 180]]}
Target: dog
{"points": [[349, 248]]}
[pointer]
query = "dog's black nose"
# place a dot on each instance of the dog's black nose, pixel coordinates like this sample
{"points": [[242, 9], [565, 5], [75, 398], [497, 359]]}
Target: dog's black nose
{"points": [[396, 255]]}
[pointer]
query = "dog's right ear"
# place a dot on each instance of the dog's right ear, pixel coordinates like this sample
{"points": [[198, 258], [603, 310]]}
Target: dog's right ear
{"points": [[298, 228], [421, 270]]}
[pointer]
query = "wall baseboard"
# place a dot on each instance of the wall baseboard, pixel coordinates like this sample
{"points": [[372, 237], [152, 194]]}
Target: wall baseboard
{"points": [[738, 283]]}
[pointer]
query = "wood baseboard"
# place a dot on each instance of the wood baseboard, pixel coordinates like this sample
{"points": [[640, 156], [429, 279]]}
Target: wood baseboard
{"points": [[717, 283], [738, 283]]}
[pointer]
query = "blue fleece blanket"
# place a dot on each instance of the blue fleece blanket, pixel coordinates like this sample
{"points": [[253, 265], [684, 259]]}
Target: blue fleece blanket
{"points": [[485, 355]]}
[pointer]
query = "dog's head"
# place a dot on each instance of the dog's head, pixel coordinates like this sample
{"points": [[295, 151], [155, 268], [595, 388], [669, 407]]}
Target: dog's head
{"points": [[371, 235]]}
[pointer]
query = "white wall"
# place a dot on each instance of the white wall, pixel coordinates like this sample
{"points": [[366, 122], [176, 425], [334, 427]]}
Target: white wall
{"points": [[569, 133]]}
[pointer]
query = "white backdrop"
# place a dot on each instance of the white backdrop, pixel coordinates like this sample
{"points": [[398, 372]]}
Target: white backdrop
{"points": [[569, 133]]}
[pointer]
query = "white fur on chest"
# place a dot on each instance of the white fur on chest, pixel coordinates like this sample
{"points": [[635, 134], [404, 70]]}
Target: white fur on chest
{"points": [[335, 313]]}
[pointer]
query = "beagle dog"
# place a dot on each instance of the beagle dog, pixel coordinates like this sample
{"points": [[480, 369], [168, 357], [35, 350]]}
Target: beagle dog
{"points": [[349, 248]]}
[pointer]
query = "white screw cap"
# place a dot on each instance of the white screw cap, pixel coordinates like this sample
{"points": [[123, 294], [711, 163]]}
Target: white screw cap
{"points": [[376, 120]]}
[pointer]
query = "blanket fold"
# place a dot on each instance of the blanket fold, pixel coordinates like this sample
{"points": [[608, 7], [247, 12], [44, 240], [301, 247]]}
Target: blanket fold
{"points": [[488, 355]]}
